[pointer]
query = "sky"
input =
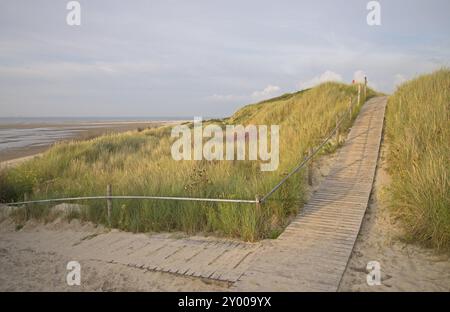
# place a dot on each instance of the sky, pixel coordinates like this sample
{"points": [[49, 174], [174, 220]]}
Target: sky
{"points": [[205, 57]]}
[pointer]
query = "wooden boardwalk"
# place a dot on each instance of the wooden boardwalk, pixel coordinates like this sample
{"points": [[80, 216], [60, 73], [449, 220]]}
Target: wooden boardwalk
{"points": [[210, 258], [313, 251]]}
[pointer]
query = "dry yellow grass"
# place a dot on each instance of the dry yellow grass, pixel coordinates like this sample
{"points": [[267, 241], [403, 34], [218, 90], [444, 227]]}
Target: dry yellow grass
{"points": [[418, 128]]}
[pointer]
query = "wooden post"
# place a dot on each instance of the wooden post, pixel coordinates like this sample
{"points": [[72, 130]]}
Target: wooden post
{"points": [[109, 202], [350, 108], [26, 198], [365, 88], [337, 129], [359, 94], [258, 203], [310, 168]]}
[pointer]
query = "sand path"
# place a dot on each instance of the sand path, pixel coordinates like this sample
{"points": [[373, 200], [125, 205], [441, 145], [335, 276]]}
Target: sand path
{"points": [[404, 267]]}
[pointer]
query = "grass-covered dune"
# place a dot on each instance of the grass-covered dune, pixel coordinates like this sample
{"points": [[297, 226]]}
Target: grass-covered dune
{"points": [[418, 130], [140, 163]]}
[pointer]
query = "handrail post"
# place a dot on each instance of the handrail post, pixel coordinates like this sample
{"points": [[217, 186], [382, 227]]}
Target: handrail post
{"points": [[337, 129], [109, 202], [359, 94], [258, 203], [25, 199], [350, 108], [310, 167], [365, 88]]}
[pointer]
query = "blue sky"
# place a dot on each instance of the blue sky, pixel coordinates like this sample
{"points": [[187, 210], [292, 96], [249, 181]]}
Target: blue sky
{"points": [[205, 58]]}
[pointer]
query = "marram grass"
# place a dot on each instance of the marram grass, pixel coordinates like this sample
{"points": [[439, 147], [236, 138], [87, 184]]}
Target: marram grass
{"points": [[418, 130], [140, 163]]}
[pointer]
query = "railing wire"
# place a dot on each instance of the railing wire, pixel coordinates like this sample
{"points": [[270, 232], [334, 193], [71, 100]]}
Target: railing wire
{"points": [[304, 162], [219, 200]]}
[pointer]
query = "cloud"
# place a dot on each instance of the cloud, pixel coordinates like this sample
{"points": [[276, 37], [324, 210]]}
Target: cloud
{"points": [[399, 79], [259, 95], [359, 76], [267, 92], [326, 76], [225, 97], [59, 70], [138, 64]]}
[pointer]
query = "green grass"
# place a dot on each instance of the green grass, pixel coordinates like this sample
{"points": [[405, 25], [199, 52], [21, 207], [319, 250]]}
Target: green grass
{"points": [[418, 130], [140, 163]]}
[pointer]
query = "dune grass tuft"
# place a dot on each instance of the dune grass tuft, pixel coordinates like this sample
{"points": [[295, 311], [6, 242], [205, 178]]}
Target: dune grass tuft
{"points": [[418, 130]]}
